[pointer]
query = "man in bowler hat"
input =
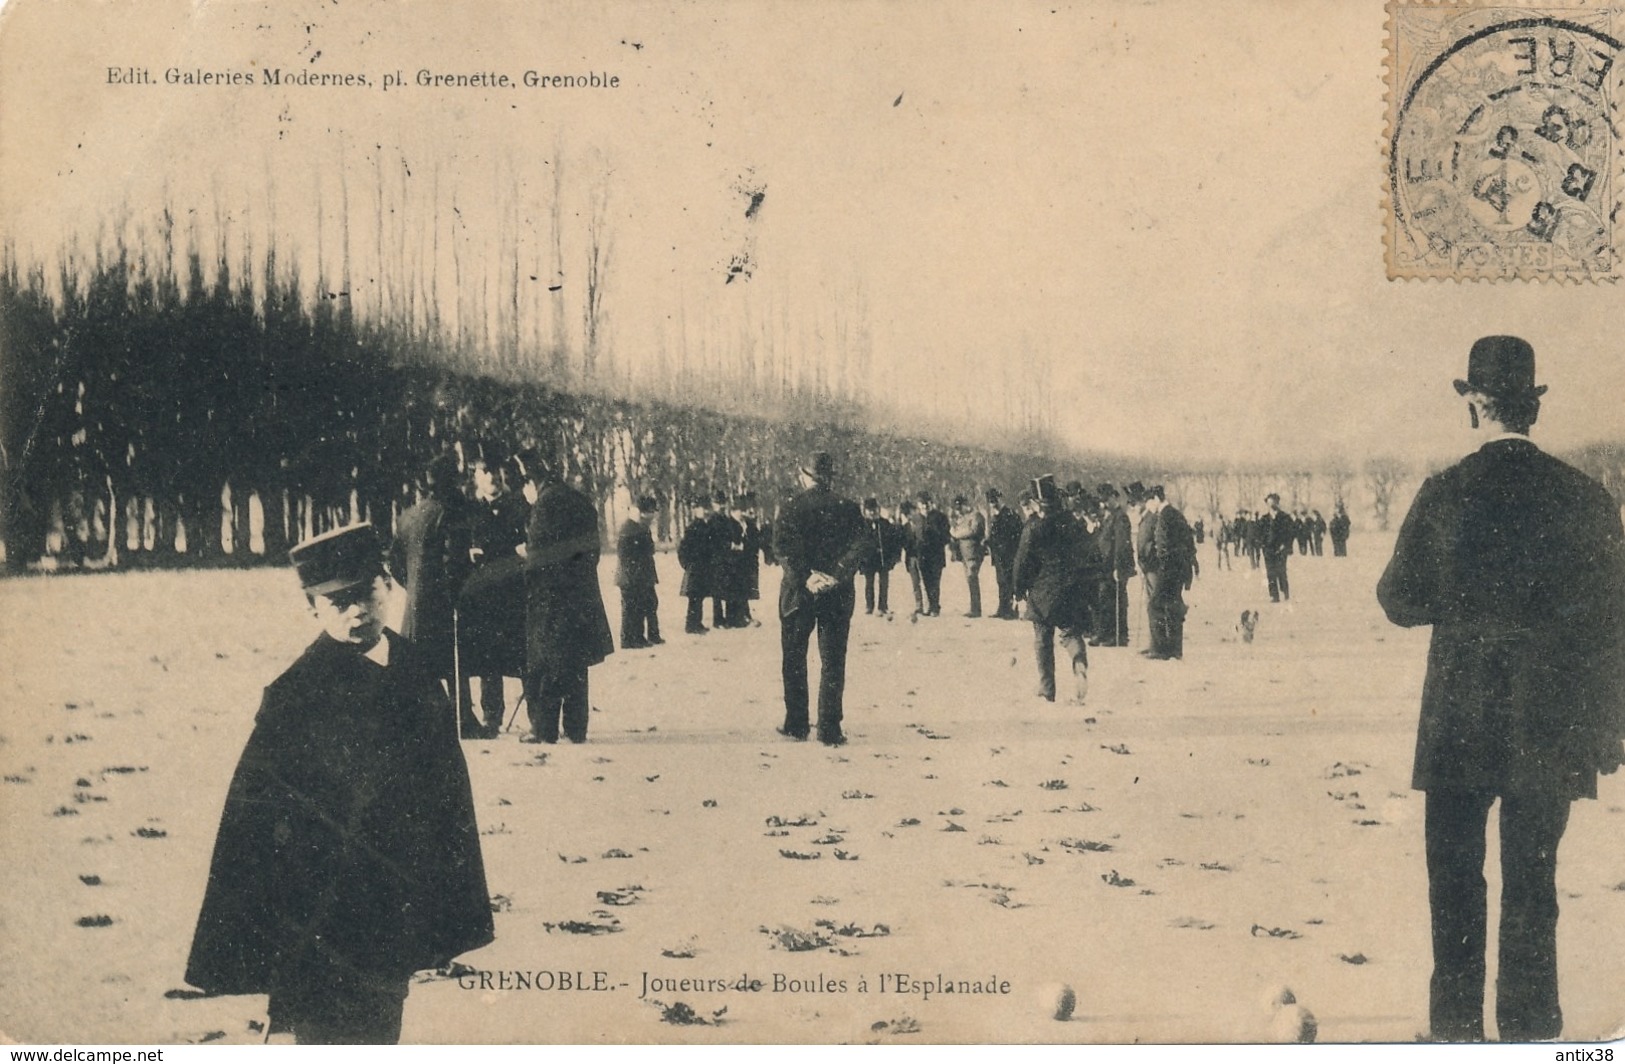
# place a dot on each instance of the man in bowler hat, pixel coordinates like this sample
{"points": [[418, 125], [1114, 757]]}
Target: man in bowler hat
{"points": [[1053, 574], [1517, 560], [820, 540], [348, 856]]}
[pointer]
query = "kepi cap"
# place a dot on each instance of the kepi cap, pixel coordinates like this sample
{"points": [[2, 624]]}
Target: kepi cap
{"points": [[345, 557]]}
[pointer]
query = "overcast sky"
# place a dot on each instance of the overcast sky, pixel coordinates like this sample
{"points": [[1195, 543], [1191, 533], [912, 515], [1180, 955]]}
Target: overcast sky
{"points": [[1176, 204]]}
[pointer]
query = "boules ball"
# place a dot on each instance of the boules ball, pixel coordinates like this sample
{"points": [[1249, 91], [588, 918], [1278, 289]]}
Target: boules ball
{"points": [[1276, 997], [1058, 1000], [1294, 1025]]}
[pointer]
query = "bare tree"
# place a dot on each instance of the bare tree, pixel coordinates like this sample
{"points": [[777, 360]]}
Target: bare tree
{"points": [[1383, 475]]}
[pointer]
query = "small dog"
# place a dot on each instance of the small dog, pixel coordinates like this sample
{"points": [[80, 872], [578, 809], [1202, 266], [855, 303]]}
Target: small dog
{"points": [[1247, 625]]}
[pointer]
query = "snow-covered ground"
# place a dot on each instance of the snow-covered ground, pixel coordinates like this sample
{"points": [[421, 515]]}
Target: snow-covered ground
{"points": [[1197, 833]]}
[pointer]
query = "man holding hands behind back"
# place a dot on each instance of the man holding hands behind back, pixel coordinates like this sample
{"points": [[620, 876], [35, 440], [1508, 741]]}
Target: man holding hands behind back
{"points": [[1517, 560], [820, 541]]}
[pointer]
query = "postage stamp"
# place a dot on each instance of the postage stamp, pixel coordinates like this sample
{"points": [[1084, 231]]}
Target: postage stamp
{"points": [[1503, 144]]}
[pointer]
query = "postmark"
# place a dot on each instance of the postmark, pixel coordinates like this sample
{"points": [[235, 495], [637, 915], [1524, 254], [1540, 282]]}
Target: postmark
{"points": [[1503, 142]]}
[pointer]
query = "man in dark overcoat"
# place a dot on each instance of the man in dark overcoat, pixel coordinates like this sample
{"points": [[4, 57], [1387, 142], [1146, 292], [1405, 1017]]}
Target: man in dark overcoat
{"points": [[491, 604], [1053, 576], [933, 535], [348, 856], [1517, 560], [430, 558], [885, 546], [635, 576], [1339, 530], [758, 548], [1117, 546], [819, 541], [567, 631], [698, 555], [1169, 575], [1003, 539], [1277, 532]]}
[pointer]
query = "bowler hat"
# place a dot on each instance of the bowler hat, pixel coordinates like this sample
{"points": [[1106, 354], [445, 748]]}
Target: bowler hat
{"points": [[1135, 492], [647, 504], [960, 500], [1106, 491], [820, 466], [1501, 366], [992, 495], [1074, 487], [871, 503], [1045, 491], [345, 557], [719, 497], [924, 497]]}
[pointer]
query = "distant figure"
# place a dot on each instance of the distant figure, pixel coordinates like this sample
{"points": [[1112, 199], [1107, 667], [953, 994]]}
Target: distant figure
{"points": [[1117, 545], [1053, 576], [635, 576], [348, 856], [1278, 531], [1317, 533], [491, 605], [1221, 543], [755, 548], [1339, 529], [932, 535], [567, 631], [431, 559], [1517, 560], [697, 553], [969, 531], [885, 545], [1169, 570], [728, 545], [819, 541], [1003, 537]]}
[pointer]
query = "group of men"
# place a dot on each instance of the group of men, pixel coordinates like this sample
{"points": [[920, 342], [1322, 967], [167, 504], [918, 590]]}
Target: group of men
{"points": [[721, 551], [348, 855]]}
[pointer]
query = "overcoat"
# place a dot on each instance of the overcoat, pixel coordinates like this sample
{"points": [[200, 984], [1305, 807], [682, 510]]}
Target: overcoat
{"points": [[430, 559], [1054, 571], [697, 553], [817, 531], [566, 629], [1517, 560], [491, 605], [348, 840], [1003, 534], [635, 557]]}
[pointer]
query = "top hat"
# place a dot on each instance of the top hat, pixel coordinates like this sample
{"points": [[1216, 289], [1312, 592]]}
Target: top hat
{"points": [[345, 557], [1045, 491], [1135, 492], [1501, 366], [820, 466]]}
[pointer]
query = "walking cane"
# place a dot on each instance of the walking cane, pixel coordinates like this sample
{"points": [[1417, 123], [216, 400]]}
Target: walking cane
{"points": [[515, 715], [1117, 611], [456, 674]]}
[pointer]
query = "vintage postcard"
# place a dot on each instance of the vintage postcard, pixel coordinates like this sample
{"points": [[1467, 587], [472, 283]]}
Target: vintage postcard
{"points": [[758, 762]]}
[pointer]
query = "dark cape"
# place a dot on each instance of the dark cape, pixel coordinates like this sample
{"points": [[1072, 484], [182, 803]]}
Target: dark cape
{"points": [[348, 845], [567, 628]]}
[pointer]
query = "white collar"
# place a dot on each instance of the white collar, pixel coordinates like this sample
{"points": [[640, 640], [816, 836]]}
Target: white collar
{"points": [[1498, 437], [378, 653]]}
